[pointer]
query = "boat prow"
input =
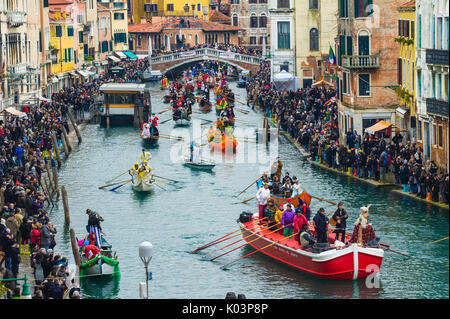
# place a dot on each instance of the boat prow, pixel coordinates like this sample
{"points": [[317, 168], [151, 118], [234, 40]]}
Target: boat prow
{"points": [[140, 184]]}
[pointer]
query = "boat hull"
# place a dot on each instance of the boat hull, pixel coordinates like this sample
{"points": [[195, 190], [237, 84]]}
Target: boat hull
{"points": [[199, 166], [182, 121], [350, 263], [141, 185]]}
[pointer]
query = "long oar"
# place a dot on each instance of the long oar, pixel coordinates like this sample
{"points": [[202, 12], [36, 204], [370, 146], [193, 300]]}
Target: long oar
{"points": [[435, 241], [104, 186], [323, 200], [216, 241], [248, 187], [165, 121], [156, 184], [247, 200], [167, 178], [396, 252], [236, 241], [161, 181], [133, 132], [224, 238], [119, 175], [251, 241], [117, 187], [258, 250], [161, 112], [382, 243]]}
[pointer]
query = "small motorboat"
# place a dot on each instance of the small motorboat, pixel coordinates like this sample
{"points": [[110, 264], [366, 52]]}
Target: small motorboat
{"points": [[349, 262], [202, 165], [142, 184], [155, 75]]}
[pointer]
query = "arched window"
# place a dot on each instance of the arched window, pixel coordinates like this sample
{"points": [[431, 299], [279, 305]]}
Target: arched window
{"points": [[253, 21], [314, 39], [262, 21], [363, 42], [235, 20]]}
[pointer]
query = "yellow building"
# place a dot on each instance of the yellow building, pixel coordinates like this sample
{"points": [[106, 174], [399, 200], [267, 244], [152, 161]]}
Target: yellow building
{"points": [[406, 66], [148, 8], [61, 43], [119, 24]]}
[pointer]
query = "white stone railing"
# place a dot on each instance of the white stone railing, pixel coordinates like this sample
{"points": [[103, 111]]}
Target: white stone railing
{"points": [[220, 54], [16, 18]]}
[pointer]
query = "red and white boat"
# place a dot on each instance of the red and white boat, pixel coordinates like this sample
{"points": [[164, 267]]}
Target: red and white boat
{"points": [[351, 262]]}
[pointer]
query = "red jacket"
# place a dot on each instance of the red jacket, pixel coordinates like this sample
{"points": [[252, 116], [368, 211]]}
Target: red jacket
{"points": [[35, 237], [299, 221], [91, 251]]}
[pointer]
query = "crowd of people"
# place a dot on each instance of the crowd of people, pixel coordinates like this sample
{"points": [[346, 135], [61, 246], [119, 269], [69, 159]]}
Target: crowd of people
{"points": [[310, 116], [25, 228], [218, 46]]}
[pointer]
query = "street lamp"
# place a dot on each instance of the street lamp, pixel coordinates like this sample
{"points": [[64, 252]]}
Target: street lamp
{"points": [[146, 253]]}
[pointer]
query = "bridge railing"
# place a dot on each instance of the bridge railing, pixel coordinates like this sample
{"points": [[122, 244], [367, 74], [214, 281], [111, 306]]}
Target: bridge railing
{"points": [[226, 55]]}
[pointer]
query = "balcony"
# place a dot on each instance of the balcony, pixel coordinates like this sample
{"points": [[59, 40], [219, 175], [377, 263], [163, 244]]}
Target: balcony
{"points": [[361, 61], [16, 18], [437, 107], [17, 69], [439, 57]]}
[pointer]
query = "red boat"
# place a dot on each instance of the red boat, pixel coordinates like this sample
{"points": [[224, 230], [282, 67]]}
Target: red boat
{"points": [[351, 262]]}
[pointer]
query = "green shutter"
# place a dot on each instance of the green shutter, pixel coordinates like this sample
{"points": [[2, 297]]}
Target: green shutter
{"points": [[341, 48], [349, 49]]}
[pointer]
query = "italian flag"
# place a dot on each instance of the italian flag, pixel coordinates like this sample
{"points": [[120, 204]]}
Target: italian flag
{"points": [[331, 57]]}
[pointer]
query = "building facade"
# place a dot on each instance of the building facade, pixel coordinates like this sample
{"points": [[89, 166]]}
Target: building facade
{"points": [[170, 33], [143, 10], [432, 83], [367, 56], [104, 33], [282, 35], [20, 57], [316, 30], [405, 114], [252, 17]]}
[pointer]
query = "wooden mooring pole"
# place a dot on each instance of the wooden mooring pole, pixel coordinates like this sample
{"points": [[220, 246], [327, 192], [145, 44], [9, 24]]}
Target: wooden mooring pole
{"points": [[66, 205], [75, 126]]}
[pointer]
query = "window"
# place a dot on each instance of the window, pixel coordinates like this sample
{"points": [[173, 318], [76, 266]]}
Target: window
{"points": [[70, 54], [139, 40], [252, 1], [419, 29], [283, 4], [433, 136], [235, 20], [413, 31], [70, 31], [58, 30], [313, 4], [284, 66], [170, 7], [104, 46], [199, 7], [119, 16], [343, 8], [399, 71], [364, 84], [263, 21], [252, 40], [314, 39], [419, 130], [363, 43], [349, 46], [253, 21], [120, 38], [234, 1], [262, 1], [80, 36], [419, 83], [345, 83], [362, 9], [284, 36], [440, 136]]}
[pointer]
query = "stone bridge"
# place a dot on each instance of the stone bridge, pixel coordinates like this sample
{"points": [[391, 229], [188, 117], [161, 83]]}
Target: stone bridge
{"points": [[173, 64]]}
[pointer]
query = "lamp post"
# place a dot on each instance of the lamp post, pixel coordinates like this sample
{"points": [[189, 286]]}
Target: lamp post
{"points": [[146, 253]]}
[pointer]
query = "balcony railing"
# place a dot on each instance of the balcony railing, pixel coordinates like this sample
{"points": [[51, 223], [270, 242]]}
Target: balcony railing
{"points": [[437, 57], [360, 61], [16, 18], [437, 107], [17, 69]]}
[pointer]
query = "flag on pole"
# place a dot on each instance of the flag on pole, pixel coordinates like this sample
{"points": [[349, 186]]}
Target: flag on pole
{"points": [[331, 57]]}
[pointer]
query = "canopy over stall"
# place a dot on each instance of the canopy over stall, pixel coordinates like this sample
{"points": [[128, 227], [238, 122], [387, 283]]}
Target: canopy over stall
{"points": [[12, 111], [379, 126], [285, 81]]}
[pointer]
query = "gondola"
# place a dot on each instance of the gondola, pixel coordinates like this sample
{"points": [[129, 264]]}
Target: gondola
{"points": [[104, 264], [142, 184], [152, 139], [222, 142], [347, 263], [181, 118], [202, 165]]}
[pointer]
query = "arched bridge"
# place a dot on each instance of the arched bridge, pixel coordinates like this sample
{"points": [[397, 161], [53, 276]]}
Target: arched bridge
{"points": [[172, 64]]}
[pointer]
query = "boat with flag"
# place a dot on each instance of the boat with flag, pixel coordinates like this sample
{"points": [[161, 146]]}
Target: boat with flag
{"points": [[349, 262]]}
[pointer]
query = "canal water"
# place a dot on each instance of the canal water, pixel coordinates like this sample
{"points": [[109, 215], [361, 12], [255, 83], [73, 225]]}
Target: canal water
{"points": [[202, 207]]}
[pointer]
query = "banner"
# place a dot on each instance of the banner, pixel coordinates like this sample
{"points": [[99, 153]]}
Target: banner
{"points": [[227, 55]]}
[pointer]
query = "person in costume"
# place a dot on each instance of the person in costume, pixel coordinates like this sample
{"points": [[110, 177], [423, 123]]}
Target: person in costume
{"points": [[262, 196], [363, 232]]}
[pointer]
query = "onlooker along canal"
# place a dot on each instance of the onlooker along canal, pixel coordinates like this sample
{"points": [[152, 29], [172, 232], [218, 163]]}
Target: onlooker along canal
{"points": [[202, 207]]}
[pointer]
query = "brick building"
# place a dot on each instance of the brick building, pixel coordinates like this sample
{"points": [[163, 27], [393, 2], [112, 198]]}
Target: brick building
{"points": [[367, 58]]}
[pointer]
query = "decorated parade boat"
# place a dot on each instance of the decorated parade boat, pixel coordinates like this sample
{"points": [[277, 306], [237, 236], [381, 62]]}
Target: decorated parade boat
{"points": [[103, 264], [351, 262]]}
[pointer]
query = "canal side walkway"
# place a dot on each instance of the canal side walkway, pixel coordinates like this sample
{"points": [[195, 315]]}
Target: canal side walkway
{"points": [[396, 188]]}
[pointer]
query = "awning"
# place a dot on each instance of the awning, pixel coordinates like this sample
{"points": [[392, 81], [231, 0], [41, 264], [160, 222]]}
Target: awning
{"points": [[379, 126], [113, 58], [14, 112], [73, 73], [120, 55], [322, 82], [104, 62], [131, 55], [401, 111], [83, 73]]}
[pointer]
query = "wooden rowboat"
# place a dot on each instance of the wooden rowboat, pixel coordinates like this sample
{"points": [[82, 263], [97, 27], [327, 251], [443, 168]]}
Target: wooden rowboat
{"points": [[152, 140], [140, 184], [346, 263], [202, 165]]}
